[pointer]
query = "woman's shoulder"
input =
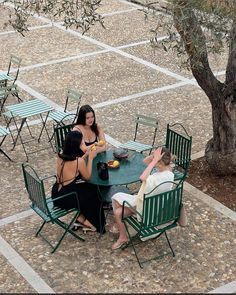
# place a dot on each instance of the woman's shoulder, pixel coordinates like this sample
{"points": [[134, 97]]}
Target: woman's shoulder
{"points": [[78, 127]]}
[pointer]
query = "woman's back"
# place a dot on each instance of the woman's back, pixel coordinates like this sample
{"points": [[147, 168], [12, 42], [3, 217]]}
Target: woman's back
{"points": [[67, 171]]}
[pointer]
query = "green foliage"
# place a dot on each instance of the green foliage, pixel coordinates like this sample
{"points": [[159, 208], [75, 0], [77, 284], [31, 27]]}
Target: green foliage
{"points": [[74, 13], [214, 19]]}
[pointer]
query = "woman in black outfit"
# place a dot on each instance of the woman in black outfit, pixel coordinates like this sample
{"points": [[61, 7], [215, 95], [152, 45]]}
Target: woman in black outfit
{"points": [[73, 169], [93, 133]]}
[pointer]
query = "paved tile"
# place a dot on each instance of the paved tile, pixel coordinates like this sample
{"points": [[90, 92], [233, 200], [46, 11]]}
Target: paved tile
{"points": [[203, 250], [102, 77]]}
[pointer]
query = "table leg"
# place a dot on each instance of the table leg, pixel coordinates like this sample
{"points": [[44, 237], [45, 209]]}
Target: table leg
{"points": [[44, 127]]}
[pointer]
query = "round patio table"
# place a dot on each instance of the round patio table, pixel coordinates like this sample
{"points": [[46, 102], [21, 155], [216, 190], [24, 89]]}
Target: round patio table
{"points": [[128, 172]]}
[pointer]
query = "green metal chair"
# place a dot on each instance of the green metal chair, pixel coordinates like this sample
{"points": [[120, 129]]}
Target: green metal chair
{"points": [[5, 92], [160, 213], [61, 116], [136, 145], [10, 77], [43, 206], [60, 133], [180, 145]]}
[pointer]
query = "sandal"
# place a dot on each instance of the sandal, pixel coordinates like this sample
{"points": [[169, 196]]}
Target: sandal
{"points": [[87, 228], [76, 226], [118, 245]]}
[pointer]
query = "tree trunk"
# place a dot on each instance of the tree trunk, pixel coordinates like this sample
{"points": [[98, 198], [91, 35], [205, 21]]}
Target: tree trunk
{"points": [[220, 151]]}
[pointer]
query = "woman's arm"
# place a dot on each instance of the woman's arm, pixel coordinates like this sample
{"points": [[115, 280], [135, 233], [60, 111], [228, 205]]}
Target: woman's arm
{"points": [[101, 144], [86, 169], [148, 159], [157, 155]]}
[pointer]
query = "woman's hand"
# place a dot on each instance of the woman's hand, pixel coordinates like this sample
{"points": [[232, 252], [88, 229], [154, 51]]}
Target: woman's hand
{"points": [[92, 153], [157, 155]]}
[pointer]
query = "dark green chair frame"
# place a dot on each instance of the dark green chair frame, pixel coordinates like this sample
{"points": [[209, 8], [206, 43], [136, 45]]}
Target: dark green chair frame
{"points": [[60, 132], [180, 146], [44, 207], [160, 214], [135, 144], [16, 62], [5, 91]]}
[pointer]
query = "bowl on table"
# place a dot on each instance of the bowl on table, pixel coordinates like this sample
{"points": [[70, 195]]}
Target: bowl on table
{"points": [[120, 153], [113, 164]]}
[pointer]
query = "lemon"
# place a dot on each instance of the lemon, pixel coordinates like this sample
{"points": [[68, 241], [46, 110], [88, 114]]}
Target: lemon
{"points": [[93, 148], [101, 142], [116, 163]]}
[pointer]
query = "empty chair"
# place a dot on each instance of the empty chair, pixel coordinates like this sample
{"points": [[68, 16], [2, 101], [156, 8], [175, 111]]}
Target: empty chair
{"points": [[5, 92], [136, 145], [11, 76], [43, 206], [61, 116]]}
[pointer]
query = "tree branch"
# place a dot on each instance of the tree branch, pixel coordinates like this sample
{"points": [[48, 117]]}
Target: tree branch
{"points": [[194, 41]]}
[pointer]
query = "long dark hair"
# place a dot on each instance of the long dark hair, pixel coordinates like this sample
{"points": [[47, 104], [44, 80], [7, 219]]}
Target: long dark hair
{"points": [[71, 146], [81, 120]]}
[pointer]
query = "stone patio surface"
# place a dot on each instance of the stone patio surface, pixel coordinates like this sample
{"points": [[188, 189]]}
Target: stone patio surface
{"points": [[120, 75]]}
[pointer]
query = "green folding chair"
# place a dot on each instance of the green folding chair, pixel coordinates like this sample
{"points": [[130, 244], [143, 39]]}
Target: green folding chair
{"points": [[136, 145], [179, 143], [11, 76], [43, 206], [5, 92], [160, 213], [61, 116]]}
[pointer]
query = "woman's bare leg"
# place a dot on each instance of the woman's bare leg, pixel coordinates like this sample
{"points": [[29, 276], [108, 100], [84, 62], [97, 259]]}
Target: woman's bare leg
{"points": [[122, 231]]}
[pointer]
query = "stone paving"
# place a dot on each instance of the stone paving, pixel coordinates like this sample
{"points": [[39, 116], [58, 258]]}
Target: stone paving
{"points": [[119, 75]]}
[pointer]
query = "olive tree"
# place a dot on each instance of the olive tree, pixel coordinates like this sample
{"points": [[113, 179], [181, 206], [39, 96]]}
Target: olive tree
{"points": [[194, 28]]}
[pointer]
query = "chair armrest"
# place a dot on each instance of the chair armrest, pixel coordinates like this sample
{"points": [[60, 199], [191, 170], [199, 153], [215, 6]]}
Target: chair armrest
{"points": [[66, 196], [130, 207], [47, 177]]}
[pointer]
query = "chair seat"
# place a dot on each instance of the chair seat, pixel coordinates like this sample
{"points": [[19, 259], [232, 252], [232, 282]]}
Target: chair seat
{"points": [[58, 116], [4, 76], [4, 131], [136, 146], [55, 212]]}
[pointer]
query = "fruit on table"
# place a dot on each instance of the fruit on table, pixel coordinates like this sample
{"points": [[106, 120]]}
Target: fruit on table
{"points": [[101, 142], [116, 163]]}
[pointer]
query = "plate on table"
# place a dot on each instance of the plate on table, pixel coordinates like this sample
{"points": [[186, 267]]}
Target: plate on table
{"points": [[113, 164]]}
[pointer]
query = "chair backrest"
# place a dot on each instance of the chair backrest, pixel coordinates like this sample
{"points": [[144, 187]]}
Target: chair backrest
{"points": [[179, 145], [36, 191], [60, 132], [6, 90], [14, 62], [147, 121], [163, 207], [73, 95]]}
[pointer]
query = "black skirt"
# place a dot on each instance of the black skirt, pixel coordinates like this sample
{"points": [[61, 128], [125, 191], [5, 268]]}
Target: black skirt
{"points": [[89, 202]]}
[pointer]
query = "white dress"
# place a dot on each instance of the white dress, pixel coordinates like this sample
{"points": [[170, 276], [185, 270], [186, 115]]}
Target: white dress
{"points": [[152, 181]]}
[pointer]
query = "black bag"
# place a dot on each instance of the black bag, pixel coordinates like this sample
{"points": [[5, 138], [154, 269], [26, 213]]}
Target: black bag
{"points": [[102, 170]]}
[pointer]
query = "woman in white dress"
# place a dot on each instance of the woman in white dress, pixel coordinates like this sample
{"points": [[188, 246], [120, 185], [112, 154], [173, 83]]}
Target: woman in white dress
{"points": [[161, 159]]}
